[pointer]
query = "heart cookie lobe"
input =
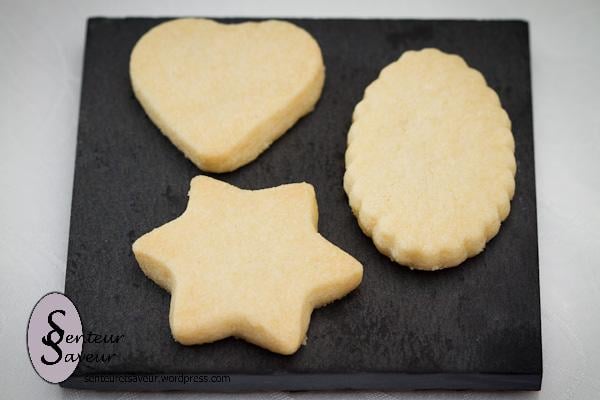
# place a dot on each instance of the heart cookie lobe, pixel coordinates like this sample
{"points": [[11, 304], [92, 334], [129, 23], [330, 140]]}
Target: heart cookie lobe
{"points": [[430, 161], [222, 93]]}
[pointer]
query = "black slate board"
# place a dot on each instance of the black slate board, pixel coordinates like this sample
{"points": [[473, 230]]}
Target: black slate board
{"points": [[473, 327]]}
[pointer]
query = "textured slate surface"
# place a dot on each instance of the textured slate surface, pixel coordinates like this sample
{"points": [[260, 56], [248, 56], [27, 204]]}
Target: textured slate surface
{"points": [[477, 326]]}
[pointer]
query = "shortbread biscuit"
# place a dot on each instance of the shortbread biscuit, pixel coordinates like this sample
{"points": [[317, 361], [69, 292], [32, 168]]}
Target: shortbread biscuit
{"points": [[430, 161], [244, 263], [222, 93]]}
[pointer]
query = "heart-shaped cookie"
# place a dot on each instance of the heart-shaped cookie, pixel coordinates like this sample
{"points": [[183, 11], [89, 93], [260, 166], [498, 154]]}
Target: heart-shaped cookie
{"points": [[222, 93]]}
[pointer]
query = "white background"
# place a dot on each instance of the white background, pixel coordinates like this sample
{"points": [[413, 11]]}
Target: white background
{"points": [[41, 54]]}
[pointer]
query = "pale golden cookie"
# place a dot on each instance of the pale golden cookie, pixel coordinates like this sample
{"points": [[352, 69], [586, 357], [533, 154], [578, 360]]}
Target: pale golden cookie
{"points": [[244, 263], [222, 93], [430, 161]]}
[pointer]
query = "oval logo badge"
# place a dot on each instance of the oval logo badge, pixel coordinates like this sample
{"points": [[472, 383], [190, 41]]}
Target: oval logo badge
{"points": [[54, 337]]}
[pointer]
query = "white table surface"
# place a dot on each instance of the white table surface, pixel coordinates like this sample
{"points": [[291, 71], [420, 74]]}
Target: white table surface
{"points": [[41, 54]]}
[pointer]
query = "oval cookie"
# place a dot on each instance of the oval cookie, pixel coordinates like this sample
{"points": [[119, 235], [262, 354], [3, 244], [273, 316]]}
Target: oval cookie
{"points": [[430, 161], [222, 93]]}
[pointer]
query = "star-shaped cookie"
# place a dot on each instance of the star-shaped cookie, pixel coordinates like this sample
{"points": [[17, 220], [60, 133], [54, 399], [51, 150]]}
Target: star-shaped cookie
{"points": [[246, 263]]}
